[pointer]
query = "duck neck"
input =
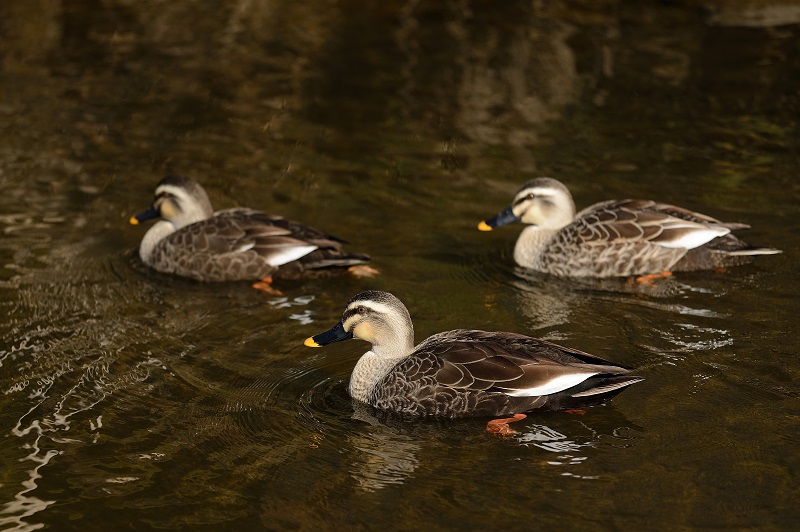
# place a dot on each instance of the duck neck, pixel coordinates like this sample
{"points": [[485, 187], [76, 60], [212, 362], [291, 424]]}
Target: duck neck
{"points": [[530, 244], [154, 235], [376, 363]]}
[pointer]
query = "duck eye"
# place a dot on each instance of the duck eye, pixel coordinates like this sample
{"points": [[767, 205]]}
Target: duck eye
{"points": [[531, 195], [361, 310]]}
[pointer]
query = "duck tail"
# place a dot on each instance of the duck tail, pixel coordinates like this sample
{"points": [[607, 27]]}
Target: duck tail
{"points": [[609, 385], [733, 226], [753, 251], [343, 261]]}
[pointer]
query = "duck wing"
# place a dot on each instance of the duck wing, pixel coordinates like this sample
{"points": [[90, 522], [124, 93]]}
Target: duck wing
{"points": [[515, 364], [628, 237], [467, 372], [297, 247], [328, 250], [263, 237], [296, 229], [234, 244], [646, 222]]}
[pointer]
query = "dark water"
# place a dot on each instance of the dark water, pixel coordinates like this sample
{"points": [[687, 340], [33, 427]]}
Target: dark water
{"points": [[133, 400]]}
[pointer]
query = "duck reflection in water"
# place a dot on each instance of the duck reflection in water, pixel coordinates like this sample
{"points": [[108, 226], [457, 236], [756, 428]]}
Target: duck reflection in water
{"points": [[383, 454], [387, 452], [548, 301]]}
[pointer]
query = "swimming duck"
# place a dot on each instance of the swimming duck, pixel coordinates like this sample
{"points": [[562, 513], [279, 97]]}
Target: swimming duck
{"points": [[616, 238], [191, 240], [465, 373]]}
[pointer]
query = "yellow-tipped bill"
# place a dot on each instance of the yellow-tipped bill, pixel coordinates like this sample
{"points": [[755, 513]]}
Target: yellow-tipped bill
{"points": [[310, 342], [335, 334], [152, 212], [506, 216]]}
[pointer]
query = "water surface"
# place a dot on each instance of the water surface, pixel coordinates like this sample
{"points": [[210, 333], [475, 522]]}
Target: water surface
{"points": [[132, 398]]}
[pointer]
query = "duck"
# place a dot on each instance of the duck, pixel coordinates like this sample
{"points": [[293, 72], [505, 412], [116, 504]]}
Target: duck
{"points": [[238, 244], [614, 238], [465, 373]]}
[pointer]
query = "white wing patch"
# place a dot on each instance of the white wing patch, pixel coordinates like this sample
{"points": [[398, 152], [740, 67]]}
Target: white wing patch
{"points": [[696, 238], [289, 254], [245, 247], [559, 384]]}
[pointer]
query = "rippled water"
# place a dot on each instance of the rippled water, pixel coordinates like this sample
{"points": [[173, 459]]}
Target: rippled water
{"points": [[139, 400]]}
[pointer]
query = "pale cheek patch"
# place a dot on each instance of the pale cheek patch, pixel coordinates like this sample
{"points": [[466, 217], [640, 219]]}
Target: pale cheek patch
{"points": [[364, 331], [532, 215], [167, 210], [520, 209]]}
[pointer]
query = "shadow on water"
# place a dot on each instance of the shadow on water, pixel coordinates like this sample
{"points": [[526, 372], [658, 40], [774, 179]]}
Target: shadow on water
{"points": [[136, 398]]}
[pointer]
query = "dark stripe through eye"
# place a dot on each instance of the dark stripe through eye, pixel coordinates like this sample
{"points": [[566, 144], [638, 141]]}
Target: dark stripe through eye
{"points": [[349, 314], [359, 310], [527, 197]]}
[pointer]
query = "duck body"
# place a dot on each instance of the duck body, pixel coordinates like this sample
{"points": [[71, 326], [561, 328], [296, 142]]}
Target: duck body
{"points": [[617, 238], [465, 373], [235, 244]]}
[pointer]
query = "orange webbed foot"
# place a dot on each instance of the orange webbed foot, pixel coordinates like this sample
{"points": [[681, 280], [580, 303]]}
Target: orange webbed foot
{"points": [[362, 270], [265, 285], [500, 426], [648, 280]]}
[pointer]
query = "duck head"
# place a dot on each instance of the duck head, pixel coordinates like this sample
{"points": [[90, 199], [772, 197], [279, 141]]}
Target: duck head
{"points": [[178, 200], [544, 202], [376, 317]]}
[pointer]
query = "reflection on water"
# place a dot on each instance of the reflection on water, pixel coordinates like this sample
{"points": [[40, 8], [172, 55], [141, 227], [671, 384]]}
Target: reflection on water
{"points": [[550, 440], [384, 458], [693, 338], [304, 317], [23, 505], [550, 301], [382, 450], [572, 452], [158, 402], [755, 14]]}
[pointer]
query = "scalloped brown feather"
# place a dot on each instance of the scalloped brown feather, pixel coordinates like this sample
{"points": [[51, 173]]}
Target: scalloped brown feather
{"points": [[469, 372], [210, 250], [622, 238]]}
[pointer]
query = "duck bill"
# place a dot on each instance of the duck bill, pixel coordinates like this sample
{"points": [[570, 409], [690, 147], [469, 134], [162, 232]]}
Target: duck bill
{"points": [[505, 217], [336, 334], [152, 212]]}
